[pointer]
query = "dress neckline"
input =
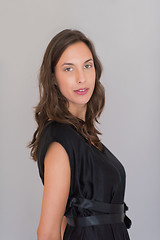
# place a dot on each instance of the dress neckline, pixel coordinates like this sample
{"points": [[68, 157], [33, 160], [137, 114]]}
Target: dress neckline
{"points": [[92, 145]]}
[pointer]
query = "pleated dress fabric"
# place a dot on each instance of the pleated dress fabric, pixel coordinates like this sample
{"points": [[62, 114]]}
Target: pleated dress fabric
{"points": [[95, 175]]}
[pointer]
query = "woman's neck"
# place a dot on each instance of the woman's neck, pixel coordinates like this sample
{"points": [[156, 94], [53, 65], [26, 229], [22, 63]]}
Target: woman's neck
{"points": [[78, 111]]}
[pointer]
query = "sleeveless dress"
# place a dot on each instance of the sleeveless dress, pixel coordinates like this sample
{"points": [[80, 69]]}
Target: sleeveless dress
{"points": [[95, 176]]}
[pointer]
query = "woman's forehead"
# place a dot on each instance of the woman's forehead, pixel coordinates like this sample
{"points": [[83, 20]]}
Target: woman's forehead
{"points": [[75, 53]]}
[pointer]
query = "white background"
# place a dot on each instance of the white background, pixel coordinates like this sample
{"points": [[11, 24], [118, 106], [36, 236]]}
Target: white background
{"points": [[126, 36]]}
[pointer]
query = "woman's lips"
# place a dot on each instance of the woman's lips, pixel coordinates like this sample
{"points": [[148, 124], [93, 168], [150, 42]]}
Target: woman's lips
{"points": [[81, 91]]}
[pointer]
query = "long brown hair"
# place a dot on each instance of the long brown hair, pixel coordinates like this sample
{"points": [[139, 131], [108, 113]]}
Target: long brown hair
{"points": [[53, 105]]}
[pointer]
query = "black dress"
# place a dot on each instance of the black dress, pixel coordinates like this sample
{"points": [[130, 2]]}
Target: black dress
{"points": [[95, 175]]}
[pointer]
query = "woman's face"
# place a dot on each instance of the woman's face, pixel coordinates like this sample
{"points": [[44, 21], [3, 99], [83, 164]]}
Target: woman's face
{"points": [[75, 74]]}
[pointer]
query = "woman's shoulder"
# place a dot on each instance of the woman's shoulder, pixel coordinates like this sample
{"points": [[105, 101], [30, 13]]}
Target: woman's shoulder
{"points": [[56, 130]]}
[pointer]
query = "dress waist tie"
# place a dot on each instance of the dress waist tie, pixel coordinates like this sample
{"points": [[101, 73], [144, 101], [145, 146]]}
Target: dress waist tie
{"points": [[108, 213]]}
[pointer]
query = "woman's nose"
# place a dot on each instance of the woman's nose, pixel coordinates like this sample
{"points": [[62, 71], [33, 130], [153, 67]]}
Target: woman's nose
{"points": [[80, 76]]}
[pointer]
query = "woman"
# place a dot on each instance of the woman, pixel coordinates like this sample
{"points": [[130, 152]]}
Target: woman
{"points": [[84, 182]]}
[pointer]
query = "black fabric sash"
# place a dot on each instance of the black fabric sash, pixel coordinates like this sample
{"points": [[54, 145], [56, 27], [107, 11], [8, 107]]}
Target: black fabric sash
{"points": [[95, 220], [109, 213]]}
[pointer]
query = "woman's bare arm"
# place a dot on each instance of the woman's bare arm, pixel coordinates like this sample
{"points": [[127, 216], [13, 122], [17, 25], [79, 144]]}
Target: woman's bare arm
{"points": [[56, 190], [63, 226]]}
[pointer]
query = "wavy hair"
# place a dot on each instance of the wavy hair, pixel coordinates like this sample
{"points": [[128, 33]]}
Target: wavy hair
{"points": [[53, 106]]}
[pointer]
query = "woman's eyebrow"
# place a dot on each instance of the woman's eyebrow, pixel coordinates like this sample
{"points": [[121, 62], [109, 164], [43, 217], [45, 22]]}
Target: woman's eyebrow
{"points": [[73, 64], [67, 64], [88, 60]]}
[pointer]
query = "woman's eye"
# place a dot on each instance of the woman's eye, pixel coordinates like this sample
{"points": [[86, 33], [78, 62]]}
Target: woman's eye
{"points": [[68, 69], [88, 66]]}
